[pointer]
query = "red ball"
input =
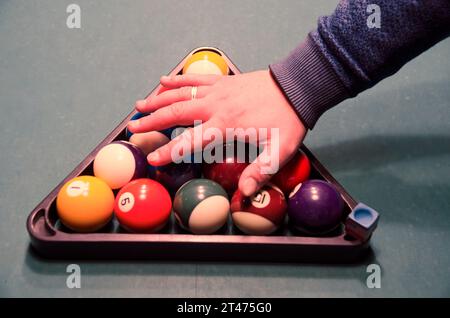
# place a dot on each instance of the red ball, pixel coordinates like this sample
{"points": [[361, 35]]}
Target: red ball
{"points": [[297, 170], [226, 174], [262, 213], [143, 205]]}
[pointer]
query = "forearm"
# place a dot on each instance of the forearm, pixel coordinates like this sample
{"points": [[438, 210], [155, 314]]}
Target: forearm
{"points": [[344, 56]]}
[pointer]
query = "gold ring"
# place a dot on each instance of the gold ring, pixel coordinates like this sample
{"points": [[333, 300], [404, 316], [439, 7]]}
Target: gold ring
{"points": [[193, 92]]}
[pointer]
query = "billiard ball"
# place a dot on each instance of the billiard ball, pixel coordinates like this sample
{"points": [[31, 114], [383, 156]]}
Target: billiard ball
{"points": [[205, 62], [120, 162], [149, 141], [228, 170], [294, 172], [143, 205], [85, 204], [262, 213], [174, 175], [201, 206], [315, 207]]}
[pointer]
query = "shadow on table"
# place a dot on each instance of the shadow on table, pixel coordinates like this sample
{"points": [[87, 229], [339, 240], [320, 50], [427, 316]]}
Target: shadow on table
{"points": [[190, 278], [370, 152], [399, 196], [50, 267]]}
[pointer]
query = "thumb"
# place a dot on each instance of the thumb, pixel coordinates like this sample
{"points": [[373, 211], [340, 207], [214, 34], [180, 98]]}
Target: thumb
{"points": [[261, 169]]}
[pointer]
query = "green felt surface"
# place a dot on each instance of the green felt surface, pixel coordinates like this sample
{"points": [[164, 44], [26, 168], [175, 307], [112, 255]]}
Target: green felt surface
{"points": [[62, 91]]}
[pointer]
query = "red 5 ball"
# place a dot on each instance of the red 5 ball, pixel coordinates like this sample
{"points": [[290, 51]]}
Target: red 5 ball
{"points": [[143, 205]]}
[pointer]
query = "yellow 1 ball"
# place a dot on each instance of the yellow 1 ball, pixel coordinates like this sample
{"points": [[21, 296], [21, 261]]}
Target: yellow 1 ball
{"points": [[85, 204]]}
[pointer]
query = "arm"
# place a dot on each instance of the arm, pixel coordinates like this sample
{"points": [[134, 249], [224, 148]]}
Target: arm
{"points": [[344, 56], [337, 61]]}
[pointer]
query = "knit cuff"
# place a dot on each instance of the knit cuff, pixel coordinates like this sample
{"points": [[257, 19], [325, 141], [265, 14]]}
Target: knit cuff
{"points": [[309, 82]]}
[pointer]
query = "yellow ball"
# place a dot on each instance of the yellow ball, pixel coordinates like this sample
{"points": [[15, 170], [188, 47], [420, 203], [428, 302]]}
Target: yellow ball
{"points": [[85, 204], [205, 62]]}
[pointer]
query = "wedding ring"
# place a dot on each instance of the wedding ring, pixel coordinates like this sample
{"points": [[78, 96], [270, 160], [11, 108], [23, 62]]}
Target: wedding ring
{"points": [[193, 92]]}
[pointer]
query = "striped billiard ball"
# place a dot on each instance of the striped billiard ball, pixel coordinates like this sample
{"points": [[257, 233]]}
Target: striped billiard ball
{"points": [[262, 213], [201, 206], [206, 62], [120, 162]]}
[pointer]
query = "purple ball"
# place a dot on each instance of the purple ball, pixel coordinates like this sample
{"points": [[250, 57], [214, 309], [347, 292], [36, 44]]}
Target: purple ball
{"points": [[174, 175], [315, 207]]}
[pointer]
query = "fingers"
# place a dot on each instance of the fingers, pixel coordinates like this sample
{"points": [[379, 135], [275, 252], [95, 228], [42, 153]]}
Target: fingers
{"points": [[262, 169], [178, 81], [177, 114], [169, 97], [191, 140], [252, 179]]}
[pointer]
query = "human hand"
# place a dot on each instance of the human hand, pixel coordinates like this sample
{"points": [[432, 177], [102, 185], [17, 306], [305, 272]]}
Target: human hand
{"points": [[249, 100]]}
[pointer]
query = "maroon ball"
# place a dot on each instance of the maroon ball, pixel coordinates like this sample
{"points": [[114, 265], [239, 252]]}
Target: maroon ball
{"points": [[228, 172], [262, 213]]}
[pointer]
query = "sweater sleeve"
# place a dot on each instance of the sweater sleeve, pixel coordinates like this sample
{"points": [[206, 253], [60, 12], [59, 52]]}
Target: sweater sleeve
{"points": [[346, 54]]}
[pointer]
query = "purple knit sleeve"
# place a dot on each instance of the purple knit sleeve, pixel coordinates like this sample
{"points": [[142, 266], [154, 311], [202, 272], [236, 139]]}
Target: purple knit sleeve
{"points": [[344, 56]]}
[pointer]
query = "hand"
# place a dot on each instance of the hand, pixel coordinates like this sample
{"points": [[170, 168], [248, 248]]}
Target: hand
{"points": [[239, 101]]}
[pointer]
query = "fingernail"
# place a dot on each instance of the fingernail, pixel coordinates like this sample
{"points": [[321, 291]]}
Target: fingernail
{"points": [[165, 78], [249, 187], [132, 125], [153, 157], [140, 104]]}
